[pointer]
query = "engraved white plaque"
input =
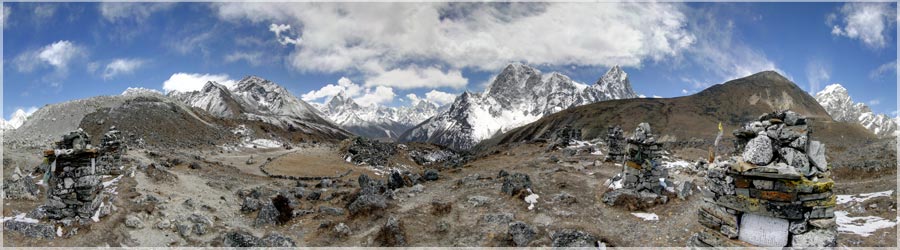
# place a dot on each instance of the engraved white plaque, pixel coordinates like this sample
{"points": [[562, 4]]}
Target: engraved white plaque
{"points": [[764, 231]]}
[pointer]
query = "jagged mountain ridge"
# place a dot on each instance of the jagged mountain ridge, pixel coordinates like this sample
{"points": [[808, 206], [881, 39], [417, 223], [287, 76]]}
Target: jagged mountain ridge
{"points": [[518, 95], [375, 121], [694, 118], [258, 99], [836, 100], [18, 118]]}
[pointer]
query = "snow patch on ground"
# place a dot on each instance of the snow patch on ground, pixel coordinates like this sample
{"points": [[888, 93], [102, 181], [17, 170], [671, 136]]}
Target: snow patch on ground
{"points": [[20, 218], [531, 199], [261, 143], [843, 199], [111, 182], [676, 164], [646, 216], [863, 225]]}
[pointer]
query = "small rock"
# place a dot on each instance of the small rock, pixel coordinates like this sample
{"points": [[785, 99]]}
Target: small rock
{"points": [[342, 229], [564, 198], [240, 239], [250, 205], [274, 239], [478, 200], [392, 234], [431, 175], [331, 211], [163, 224], [758, 151], [195, 165], [515, 183], [132, 221], [521, 233], [573, 238]]}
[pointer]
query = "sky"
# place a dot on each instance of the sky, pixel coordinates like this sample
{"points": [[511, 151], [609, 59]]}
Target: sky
{"points": [[394, 54]]}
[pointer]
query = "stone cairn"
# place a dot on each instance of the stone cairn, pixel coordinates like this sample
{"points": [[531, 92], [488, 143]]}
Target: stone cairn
{"points": [[111, 151], [776, 194], [615, 146], [73, 182], [642, 179]]}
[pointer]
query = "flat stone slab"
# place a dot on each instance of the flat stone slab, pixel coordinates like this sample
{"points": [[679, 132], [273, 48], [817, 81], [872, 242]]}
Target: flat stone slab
{"points": [[764, 231]]}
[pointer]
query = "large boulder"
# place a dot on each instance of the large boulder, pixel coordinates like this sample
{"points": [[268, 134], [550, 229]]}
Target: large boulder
{"points": [[267, 215], [759, 150], [367, 203], [392, 234]]}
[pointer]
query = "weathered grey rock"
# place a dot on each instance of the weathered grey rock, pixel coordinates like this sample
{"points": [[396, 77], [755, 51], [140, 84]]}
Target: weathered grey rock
{"points": [[32, 230], [392, 234], [395, 180], [564, 198], [250, 205], [267, 215], [367, 203], [827, 223], [795, 159], [132, 221], [431, 175], [342, 229], [240, 238], [573, 238], [816, 152], [798, 227], [335, 211], [498, 218], [521, 233], [815, 238], [515, 183], [20, 186], [684, 189], [183, 228], [478, 200], [759, 150], [273, 239], [163, 224]]}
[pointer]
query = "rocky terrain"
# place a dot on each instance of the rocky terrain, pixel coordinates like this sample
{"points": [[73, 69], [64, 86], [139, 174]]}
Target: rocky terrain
{"points": [[268, 175]]}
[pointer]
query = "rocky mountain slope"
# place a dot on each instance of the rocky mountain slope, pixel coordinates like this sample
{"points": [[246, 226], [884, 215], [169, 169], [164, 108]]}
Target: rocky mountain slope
{"points": [[257, 99], [836, 100], [694, 117], [518, 95], [375, 121]]}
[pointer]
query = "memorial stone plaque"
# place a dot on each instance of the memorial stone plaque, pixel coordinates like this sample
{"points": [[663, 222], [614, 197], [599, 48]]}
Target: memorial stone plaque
{"points": [[764, 231]]}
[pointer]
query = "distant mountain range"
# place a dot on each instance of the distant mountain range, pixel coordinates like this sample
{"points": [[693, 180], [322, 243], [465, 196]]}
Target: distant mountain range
{"points": [[375, 121], [18, 118], [517, 96], [836, 100]]}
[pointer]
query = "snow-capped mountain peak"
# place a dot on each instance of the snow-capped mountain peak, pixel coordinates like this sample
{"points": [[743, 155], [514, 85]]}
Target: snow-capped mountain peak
{"points": [[836, 100], [375, 121], [518, 95], [18, 118]]}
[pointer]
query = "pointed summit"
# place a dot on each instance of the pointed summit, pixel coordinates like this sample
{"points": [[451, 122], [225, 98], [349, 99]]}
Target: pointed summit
{"points": [[212, 85]]}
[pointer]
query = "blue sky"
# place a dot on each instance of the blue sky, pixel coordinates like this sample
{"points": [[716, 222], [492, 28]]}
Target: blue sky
{"points": [[382, 53]]}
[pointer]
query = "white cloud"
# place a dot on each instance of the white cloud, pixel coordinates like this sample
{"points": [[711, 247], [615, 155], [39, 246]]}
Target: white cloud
{"points": [[283, 39], [441, 98], [884, 69], [415, 77], [413, 98], [253, 58], [186, 82], [379, 95], [6, 12], [44, 11], [192, 43], [684, 91], [138, 12], [721, 53], [869, 22], [817, 73], [58, 55], [121, 66], [391, 36], [330, 90], [656, 96], [874, 102]]}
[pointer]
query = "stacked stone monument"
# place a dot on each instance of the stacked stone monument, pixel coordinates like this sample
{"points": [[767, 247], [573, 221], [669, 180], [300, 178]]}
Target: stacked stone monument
{"points": [[111, 151], [642, 177], [777, 193], [73, 182], [615, 144]]}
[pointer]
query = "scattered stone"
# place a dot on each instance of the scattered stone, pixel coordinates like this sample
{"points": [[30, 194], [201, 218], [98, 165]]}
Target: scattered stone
{"points": [[370, 152], [815, 238], [521, 233], [250, 161], [250, 205], [515, 184], [240, 238], [366, 204], [498, 218], [431, 175], [334, 211], [342, 229], [163, 224], [564, 198], [478, 200], [132, 221], [573, 238], [273, 239], [20, 186], [439, 208], [684, 189], [267, 215], [31, 230], [392, 234], [395, 180]]}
